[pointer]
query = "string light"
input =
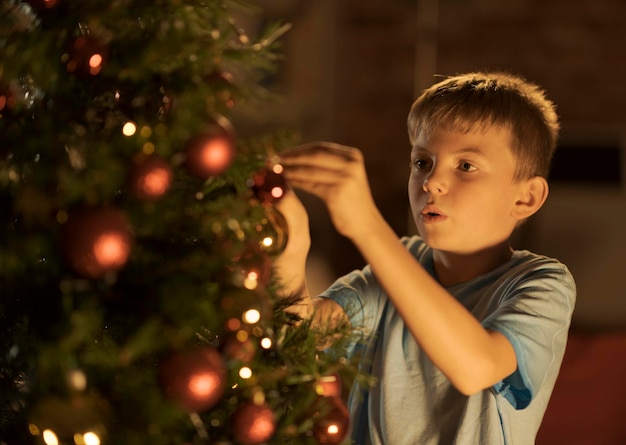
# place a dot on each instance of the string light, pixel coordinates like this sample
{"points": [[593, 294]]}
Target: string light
{"points": [[91, 438], [50, 438], [245, 373], [129, 128], [251, 316]]}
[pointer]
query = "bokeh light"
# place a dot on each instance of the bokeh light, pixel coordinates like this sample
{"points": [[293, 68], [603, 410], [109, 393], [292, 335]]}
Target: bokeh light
{"points": [[129, 128], [251, 316], [245, 373], [91, 438], [50, 438], [111, 249], [203, 385]]}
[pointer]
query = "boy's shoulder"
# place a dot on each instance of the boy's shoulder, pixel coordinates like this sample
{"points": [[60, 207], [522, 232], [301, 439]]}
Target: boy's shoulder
{"points": [[523, 263]]}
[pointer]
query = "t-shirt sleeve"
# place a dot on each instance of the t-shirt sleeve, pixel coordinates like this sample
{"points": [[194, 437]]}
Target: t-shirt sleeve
{"points": [[535, 317], [360, 296]]}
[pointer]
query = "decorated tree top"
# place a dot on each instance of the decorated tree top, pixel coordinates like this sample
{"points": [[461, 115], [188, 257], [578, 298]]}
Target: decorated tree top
{"points": [[138, 232]]}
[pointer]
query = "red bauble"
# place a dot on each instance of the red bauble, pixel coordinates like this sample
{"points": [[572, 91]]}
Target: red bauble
{"points": [[97, 241], [151, 178], [250, 268], [329, 386], [332, 421], [269, 185], [253, 424], [194, 379], [87, 56], [240, 350], [211, 152], [8, 99], [41, 5]]}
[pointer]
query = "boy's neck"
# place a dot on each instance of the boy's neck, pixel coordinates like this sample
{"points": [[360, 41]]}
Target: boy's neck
{"points": [[454, 268]]}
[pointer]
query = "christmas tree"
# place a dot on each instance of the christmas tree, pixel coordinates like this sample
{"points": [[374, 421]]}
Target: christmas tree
{"points": [[138, 232]]}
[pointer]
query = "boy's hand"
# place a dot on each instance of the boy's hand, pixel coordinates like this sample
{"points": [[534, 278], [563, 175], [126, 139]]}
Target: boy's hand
{"points": [[336, 174]]}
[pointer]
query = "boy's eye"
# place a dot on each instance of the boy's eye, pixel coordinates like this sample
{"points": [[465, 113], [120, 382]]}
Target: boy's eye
{"points": [[466, 166], [420, 164]]}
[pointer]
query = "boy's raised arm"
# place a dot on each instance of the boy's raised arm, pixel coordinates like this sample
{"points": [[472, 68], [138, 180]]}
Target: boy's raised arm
{"points": [[471, 357], [289, 269]]}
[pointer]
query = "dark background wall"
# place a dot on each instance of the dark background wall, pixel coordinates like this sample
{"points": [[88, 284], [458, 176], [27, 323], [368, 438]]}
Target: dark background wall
{"points": [[353, 68]]}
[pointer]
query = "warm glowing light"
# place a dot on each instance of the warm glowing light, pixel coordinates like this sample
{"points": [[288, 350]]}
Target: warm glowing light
{"points": [[77, 380], [95, 64], [266, 343], [203, 385], [268, 241], [233, 324], [91, 438], [261, 428], [145, 131], [254, 423], [216, 154], [50, 438], [277, 168], [329, 386], [277, 192], [333, 429], [242, 336], [95, 61], [251, 281], [111, 249], [155, 182], [148, 148], [129, 128], [251, 316], [245, 373]]}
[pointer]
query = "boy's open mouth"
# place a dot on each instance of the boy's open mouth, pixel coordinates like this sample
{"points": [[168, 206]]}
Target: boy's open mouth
{"points": [[431, 210]]}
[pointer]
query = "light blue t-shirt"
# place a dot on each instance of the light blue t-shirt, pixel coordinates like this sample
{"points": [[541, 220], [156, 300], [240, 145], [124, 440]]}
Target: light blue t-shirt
{"points": [[529, 299]]}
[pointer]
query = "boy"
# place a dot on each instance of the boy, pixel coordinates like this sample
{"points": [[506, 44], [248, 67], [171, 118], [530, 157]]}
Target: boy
{"points": [[464, 335]]}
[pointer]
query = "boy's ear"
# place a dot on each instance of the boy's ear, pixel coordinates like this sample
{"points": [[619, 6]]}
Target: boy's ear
{"points": [[533, 193]]}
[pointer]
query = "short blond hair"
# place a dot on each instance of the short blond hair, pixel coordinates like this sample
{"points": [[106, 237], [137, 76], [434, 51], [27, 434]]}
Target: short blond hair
{"points": [[486, 99]]}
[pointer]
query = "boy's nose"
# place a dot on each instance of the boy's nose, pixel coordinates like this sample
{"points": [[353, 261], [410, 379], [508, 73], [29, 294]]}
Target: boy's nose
{"points": [[434, 184]]}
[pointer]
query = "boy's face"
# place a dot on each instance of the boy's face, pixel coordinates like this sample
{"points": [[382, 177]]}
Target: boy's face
{"points": [[461, 188]]}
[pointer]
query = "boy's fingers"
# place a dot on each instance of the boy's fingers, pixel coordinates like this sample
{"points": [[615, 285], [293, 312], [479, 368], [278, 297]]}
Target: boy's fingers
{"points": [[319, 151]]}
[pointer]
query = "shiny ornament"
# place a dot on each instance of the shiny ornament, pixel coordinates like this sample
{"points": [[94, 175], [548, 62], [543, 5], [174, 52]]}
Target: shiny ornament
{"points": [[329, 386], [239, 347], [251, 268], [269, 185], [273, 231], [97, 241], [331, 421], [211, 152], [87, 56], [194, 379], [151, 177], [253, 424]]}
